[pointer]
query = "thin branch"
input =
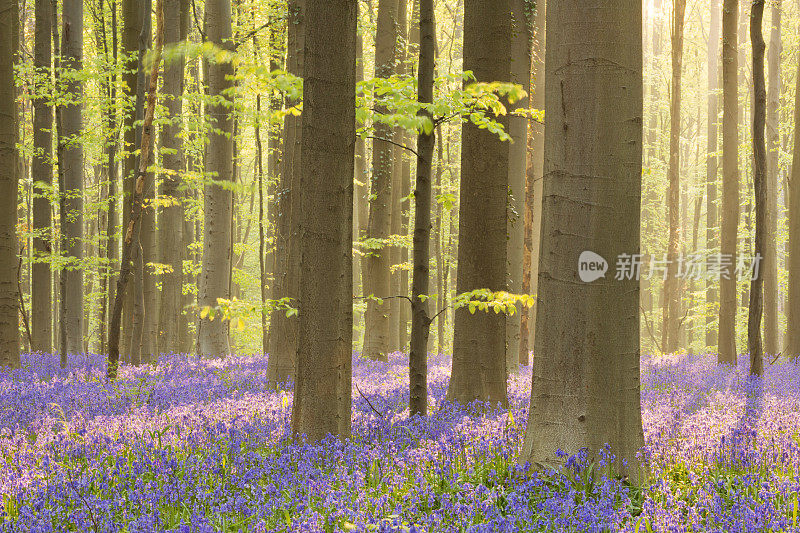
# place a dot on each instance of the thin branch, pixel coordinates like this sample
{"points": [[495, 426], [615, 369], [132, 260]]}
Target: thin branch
{"points": [[22, 302], [369, 403], [384, 298], [434, 317], [394, 143], [196, 21], [650, 330]]}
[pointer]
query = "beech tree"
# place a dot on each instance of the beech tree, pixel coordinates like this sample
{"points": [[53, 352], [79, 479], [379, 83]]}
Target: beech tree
{"points": [[322, 400], [585, 391]]}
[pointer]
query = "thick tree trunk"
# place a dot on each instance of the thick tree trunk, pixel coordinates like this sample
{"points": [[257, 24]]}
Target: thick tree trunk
{"points": [[72, 179], [377, 324], [42, 170], [215, 277], [170, 224], [672, 285], [759, 184], [420, 320], [9, 321], [521, 38], [730, 184], [770, 272], [586, 391], [322, 401], [283, 330], [479, 345], [133, 229], [712, 168]]}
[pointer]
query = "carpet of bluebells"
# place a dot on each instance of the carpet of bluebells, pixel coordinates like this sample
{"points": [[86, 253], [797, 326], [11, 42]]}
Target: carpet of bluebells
{"points": [[195, 446]]}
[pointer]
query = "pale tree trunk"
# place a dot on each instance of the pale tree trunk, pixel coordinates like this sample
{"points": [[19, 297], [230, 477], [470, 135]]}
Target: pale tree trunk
{"points": [[793, 297], [215, 277], [420, 319], [322, 401], [712, 167], [479, 344], [377, 323], [72, 179], [770, 271], [730, 184], [520, 72], [283, 330], [672, 286], [533, 187], [9, 321], [170, 224], [361, 187], [760, 186], [586, 390], [404, 311], [398, 305], [42, 170]]}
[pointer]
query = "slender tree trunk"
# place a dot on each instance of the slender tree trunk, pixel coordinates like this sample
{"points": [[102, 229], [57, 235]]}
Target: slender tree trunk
{"points": [[672, 292], [730, 184], [42, 170], [770, 272], [322, 401], [283, 330], [760, 186], [215, 277], [170, 224], [521, 38], [712, 167], [133, 229], [586, 391], [9, 321], [793, 298], [377, 324], [479, 345], [361, 212], [420, 321], [72, 193]]}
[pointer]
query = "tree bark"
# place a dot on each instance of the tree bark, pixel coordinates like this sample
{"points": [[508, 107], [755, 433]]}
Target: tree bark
{"points": [[420, 321], [133, 229], [377, 322], [213, 340], [72, 179], [521, 39], [479, 345], [756, 307], [283, 330], [9, 321], [586, 390], [42, 170], [730, 184], [793, 298], [672, 287], [712, 167], [322, 401], [770, 272], [170, 224]]}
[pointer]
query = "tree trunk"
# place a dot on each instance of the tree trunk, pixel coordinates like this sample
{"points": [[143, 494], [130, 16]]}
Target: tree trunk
{"points": [[770, 272], [420, 321], [793, 298], [133, 229], [361, 212], [42, 170], [72, 177], [322, 401], [586, 391], [283, 330], [672, 292], [730, 184], [759, 184], [215, 277], [9, 321], [521, 39], [170, 224], [377, 322], [712, 167], [479, 345]]}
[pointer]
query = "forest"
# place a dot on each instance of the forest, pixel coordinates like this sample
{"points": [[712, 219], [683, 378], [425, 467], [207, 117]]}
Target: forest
{"points": [[399, 265]]}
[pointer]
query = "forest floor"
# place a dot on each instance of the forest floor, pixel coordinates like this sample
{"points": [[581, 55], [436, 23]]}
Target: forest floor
{"points": [[197, 446]]}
